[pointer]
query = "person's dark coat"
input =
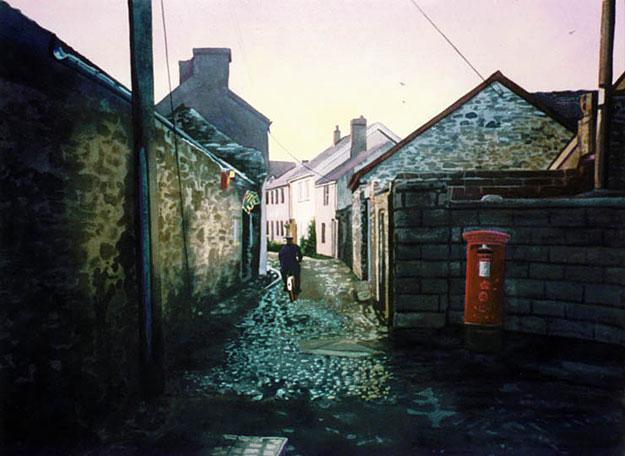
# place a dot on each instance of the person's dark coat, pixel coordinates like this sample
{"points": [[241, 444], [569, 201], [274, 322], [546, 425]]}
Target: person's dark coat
{"points": [[290, 256]]}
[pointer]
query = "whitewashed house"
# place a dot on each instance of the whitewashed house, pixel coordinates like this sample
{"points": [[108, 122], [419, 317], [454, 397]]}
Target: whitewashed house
{"points": [[364, 145], [277, 200]]}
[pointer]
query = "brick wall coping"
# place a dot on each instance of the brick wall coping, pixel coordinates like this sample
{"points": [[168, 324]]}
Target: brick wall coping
{"points": [[498, 173], [602, 202]]}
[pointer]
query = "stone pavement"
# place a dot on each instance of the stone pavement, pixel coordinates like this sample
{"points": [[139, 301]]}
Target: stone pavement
{"points": [[409, 394]]}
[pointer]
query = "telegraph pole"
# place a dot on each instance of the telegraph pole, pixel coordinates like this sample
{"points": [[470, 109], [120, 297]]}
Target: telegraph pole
{"points": [[150, 327], [605, 93]]}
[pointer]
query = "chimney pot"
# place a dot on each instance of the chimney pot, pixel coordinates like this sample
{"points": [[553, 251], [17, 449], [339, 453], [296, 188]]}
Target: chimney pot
{"points": [[359, 136], [337, 135]]}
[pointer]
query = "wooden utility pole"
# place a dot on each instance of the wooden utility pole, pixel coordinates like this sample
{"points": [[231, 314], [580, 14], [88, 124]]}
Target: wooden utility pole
{"points": [[150, 327], [605, 94]]}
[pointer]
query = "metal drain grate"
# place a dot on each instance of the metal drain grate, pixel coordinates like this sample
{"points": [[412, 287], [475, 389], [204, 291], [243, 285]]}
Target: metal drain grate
{"points": [[243, 445]]}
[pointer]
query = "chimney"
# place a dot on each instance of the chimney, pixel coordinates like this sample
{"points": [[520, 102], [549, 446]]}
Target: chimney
{"points": [[586, 126], [209, 65], [359, 136], [337, 135]]}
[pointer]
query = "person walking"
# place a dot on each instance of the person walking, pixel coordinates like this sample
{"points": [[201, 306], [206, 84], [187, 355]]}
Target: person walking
{"points": [[290, 256]]}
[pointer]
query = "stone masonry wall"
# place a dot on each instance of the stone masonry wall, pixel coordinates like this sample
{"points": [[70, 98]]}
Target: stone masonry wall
{"points": [[616, 163], [494, 130], [213, 255], [69, 316], [564, 269]]}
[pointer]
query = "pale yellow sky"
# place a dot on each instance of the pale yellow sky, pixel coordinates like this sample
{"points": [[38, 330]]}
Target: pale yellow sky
{"points": [[311, 64]]}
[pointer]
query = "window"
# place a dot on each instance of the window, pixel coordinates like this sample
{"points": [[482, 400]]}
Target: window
{"points": [[272, 197], [306, 194], [326, 195], [267, 201], [272, 231], [282, 195], [281, 228], [267, 232], [323, 233]]}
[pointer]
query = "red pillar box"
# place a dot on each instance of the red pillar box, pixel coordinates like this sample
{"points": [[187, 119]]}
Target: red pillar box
{"points": [[483, 303]]}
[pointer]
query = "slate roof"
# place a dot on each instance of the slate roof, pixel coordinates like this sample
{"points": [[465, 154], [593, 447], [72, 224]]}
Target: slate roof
{"points": [[353, 163], [244, 158], [282, 180], [537, 102], [565, 103], [278, 168], [304, 171]]}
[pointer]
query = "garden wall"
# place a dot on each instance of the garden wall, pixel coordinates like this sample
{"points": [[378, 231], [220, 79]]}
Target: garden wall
{"points": [[565, 261]]}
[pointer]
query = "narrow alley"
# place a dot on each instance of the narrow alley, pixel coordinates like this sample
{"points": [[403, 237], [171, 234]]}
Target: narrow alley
{"points": [[370, 395], [463, 238]]}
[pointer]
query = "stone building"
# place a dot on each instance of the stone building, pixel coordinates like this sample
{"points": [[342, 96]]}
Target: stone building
{"points": [[495, 126], [203, 87], [68, 211]]}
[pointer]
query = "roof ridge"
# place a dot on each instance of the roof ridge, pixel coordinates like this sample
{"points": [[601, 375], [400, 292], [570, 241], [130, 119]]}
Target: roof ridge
{"points": [[497, 76]]}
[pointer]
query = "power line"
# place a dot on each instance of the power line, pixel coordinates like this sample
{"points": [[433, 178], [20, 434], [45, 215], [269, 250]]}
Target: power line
{"points": [[451, 44], [173, 122], [448, 40], [296, 159]]}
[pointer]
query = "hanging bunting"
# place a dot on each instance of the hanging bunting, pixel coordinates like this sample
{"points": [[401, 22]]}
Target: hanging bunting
{"points": [[250, 199]]}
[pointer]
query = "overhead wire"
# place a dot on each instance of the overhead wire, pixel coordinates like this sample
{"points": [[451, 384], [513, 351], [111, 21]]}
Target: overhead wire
{"points": [[180, 194], [296, 159], [454, 47], [235, 21]]}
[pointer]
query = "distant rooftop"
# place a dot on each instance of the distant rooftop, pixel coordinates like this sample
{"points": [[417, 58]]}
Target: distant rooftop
{"points": [[278, 168], [352, 163], [565, 103]]}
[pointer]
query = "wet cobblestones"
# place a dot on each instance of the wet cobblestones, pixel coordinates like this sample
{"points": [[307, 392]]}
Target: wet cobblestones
{"points": [[429, 396], [266, 360]]}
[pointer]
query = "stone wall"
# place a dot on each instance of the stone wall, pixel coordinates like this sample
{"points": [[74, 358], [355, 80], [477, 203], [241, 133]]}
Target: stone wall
{"points": [[496, 129], [68, 281], [213, 249], [616, 163], [564, 269], [359, 235]]}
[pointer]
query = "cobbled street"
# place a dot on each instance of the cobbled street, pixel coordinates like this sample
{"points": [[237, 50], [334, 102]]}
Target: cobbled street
{"points": [[372, 396]]}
